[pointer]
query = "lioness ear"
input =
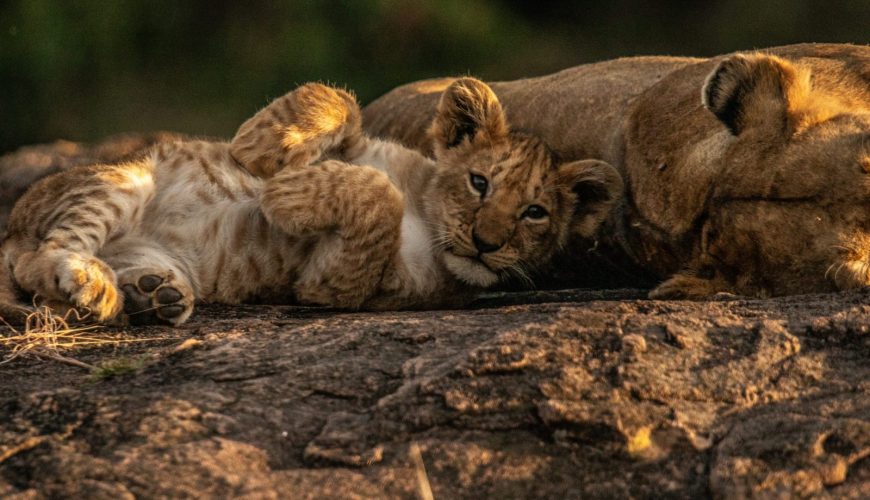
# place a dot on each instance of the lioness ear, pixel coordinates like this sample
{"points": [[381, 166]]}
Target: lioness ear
{"points": [[297, 129], [469, 110], [593, 188], [757, 90]]}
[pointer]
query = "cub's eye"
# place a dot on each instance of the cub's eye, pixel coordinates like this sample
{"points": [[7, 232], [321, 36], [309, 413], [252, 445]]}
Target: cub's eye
{"points": [[479, 183], [535, 212]]}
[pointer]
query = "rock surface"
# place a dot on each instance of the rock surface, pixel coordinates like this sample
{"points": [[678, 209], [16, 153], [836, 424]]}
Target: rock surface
{"points": [[589, 394], [537, 394]]}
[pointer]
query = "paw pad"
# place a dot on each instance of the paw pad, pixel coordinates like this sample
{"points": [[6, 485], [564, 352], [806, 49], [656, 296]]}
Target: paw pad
{"points": [[154, 299], [149, 282]]}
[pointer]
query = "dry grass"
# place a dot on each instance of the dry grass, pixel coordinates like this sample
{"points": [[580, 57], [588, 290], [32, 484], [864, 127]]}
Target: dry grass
{"points": [[424, 489], [46, 335]]}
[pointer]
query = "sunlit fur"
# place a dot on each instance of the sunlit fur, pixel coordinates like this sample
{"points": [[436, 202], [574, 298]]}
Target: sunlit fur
{"points": [[745, 173], [302, 207], [789, 214]]}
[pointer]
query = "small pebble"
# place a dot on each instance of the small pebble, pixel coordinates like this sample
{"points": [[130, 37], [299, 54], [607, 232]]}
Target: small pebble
{"points": [[633, 344]]}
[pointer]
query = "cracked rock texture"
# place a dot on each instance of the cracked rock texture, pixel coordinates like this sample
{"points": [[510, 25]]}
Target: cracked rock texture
{"points": [[537, 394], [584, 393]]}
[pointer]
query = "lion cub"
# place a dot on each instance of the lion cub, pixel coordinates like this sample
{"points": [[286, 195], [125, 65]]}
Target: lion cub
{"points": [[302, 207]]}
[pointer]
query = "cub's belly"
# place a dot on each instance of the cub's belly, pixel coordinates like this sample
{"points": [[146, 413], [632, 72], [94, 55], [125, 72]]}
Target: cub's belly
{"points": [[228, 252]]}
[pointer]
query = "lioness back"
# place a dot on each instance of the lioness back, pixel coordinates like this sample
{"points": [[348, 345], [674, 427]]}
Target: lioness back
{"points": [[578, 110]]}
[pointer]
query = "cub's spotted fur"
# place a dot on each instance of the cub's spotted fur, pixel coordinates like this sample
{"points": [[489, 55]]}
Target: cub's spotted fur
{"points": [[302, 207]]}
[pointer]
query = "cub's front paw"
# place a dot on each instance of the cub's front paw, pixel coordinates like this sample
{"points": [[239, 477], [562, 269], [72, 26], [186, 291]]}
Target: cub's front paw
{"points": [[89, 284], [156, 296]]}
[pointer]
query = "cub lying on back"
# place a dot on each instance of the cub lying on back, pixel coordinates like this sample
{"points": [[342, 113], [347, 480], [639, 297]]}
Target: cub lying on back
{"points": [[302, 207]]}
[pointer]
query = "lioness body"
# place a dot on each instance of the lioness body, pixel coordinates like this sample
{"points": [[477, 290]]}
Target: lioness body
{"points": [[766, 194], [301, 206]]}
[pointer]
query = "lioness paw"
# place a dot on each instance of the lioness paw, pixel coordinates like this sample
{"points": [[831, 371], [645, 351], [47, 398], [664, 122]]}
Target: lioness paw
{"points": [[310, 123], [688, 287]]}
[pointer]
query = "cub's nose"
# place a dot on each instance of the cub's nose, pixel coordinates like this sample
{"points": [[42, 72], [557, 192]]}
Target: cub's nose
{"points": [[484, 246]]}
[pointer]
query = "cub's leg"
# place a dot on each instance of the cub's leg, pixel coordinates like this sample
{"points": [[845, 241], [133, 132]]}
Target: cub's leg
{"points": [[302, 127], [156, 289], [355, 214], [59, 225]]}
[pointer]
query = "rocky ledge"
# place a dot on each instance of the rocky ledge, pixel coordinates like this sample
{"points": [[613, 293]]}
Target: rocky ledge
{"points": [[538, 394]]}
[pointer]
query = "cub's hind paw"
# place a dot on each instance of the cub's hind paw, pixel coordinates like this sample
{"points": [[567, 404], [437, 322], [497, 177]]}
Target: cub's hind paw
{"points": [[154, 297], [323, 118], [308, 124]]}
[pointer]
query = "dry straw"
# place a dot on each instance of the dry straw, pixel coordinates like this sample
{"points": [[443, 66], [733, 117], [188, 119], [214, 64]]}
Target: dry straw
{"points": [[424, 489], [46, 335]]}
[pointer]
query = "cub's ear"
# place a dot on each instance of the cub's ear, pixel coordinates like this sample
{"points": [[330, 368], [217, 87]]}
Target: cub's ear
{"points": [[468, 110], [757, 91], [592, 187], [297, 129]]}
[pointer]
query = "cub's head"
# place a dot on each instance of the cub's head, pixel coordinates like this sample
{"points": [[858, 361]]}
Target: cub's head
{"points": [[501, 203]]}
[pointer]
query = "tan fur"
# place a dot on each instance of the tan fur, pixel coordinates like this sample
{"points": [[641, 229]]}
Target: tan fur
{"points": [[301, 206], [745, 173]]}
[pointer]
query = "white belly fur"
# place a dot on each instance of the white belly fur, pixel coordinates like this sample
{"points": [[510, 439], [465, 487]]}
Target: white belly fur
{"points": [[416, 252]]}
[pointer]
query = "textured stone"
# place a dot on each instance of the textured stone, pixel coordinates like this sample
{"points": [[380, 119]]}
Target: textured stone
{"points": [[769, 399]]}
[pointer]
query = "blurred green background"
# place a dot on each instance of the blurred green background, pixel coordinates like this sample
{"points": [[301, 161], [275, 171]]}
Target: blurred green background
{"points": [[81, 70]]}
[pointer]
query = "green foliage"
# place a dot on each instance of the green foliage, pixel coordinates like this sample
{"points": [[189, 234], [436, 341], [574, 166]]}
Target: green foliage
{"points": [[82, 70], [116, 367]]}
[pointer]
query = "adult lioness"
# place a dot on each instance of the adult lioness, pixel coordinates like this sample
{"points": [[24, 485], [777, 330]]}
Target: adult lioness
{"points": [[745, 173]]}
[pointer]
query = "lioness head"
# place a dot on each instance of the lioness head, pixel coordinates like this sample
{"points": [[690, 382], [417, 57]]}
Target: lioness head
{"points": [[501, 201], [791, 210]]}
